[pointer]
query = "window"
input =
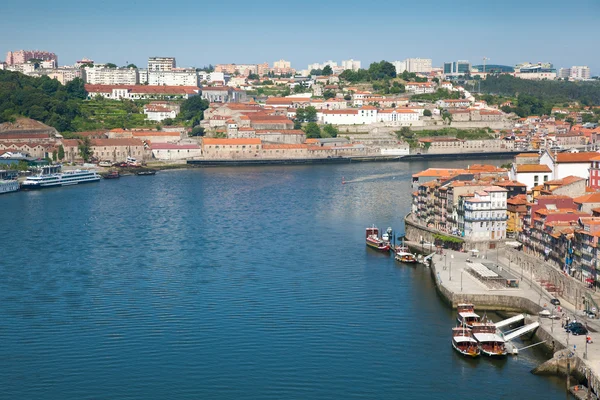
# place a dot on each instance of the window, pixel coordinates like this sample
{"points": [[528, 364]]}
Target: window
{"points": [[535, 180], [545, 178]]}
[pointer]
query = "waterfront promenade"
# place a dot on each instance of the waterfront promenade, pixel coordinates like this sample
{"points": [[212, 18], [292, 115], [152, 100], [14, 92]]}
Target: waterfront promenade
{"points": [[455, 283]]}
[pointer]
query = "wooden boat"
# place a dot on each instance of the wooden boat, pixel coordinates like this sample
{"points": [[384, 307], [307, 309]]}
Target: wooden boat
{"points": [[466, 314], [112, 175], [464, 343], [404, 255], [490, 343], [375, 242]]}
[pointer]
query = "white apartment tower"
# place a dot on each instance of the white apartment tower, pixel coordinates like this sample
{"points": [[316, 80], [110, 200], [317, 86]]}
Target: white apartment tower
{"points": [[580, 73], [161, 63], [351, 64], [418, 65], [111, 76]]}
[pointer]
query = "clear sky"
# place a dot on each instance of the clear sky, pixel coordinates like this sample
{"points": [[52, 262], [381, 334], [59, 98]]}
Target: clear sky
{"points": [[201, 32]]}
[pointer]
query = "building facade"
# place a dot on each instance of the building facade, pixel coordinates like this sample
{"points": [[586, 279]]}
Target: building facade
{"points": [[111, 76], [161, 64]]}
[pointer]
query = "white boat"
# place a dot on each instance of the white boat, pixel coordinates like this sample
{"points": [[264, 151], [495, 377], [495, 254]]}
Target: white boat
{"points": [[8, 186], [51, 176], [466, 314]]}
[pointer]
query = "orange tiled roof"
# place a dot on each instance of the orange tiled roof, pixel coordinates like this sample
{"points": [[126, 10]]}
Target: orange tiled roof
{"points": [[588, 198], [215, 141], [525, 168]]}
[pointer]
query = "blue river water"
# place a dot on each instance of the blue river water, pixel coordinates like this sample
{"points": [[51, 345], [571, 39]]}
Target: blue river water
{"points": [[230, 283]]}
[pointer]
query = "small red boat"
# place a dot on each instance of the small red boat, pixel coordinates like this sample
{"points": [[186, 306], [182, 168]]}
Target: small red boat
{"points": [[375, 242]]}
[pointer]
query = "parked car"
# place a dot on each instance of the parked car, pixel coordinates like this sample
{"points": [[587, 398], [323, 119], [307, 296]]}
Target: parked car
{"points": [[579, 330], [555, 302], [573, 325]]}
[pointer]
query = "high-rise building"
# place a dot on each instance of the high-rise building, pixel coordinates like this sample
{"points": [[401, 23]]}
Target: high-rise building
{"points": [[161, 63], [579, 73], [400, 66], [332, 64], [177, 77], [111, 76], [564, 72], [418, 65], [460, 67], [22, 56], [282, 67], [351, 64]]}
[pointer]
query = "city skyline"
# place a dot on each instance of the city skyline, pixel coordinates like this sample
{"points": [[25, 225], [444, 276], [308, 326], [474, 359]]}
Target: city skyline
{"points": [[506, 34]]}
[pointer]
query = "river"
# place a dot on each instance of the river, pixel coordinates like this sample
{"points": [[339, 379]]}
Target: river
{"points": [[231, 283]]}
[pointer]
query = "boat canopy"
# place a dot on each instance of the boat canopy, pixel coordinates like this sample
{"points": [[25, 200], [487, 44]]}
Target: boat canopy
{"points": [[488, 337], [468, 315], [464, 339]]}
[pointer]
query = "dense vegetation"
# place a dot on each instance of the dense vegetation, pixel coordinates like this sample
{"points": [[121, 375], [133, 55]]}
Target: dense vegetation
{"points": [[377, 71], [42, 99], [438, 95], [66, 108], [552, 92]]}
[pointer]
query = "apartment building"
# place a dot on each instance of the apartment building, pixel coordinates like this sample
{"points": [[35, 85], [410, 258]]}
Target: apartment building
{"points": [[161, 64], [351, 64], [482, 214], [111, 76], [23, 56], [174, 77]]}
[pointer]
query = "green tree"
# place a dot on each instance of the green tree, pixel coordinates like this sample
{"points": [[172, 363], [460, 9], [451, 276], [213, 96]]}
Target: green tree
{"points": [[197, 131], [427, 113], [54, 155], [61, 152], [85, 148], [253, 77], [312, 130], [327, 71], [193, 109], [381, 70], [328, 94], [317, 72], [76, 89], [110, 65], [347, 97], [131, 66], [329, 131], [299, 88], [306, 114]]}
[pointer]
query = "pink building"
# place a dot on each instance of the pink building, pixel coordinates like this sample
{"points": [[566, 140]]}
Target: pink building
{"points": [[22, 56]]}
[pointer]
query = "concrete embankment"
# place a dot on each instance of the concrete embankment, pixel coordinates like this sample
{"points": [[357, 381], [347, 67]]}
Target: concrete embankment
{"points": [[455, 284]]}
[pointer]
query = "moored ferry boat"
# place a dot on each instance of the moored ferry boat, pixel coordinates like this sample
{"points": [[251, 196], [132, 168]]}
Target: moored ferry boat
{"points": [[404, 255], [375, 242], [8, 186], [466, 314], [51, 176], [490, 343], [463, 342]]}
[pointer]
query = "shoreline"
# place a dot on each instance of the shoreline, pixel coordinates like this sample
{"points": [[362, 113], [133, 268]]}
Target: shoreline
{"points": [[553, 339]]}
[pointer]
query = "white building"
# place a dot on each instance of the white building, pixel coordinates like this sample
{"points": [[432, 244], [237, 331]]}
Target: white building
{"points": [[351, 64], [400, 66], [171, 151], [161, 63], [173, 78], [579, 73], [420, 87], [111, 76], [210, 77], [483, 214], [398, 116], [364, 115], [332, 64], [568, 164], [418, 65], [531, 174], [161, 111]]}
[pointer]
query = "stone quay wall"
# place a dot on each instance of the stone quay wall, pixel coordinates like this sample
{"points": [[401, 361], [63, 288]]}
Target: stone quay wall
{"points": [[537, 269]]}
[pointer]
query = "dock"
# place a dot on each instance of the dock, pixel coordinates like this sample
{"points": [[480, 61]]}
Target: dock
{"points": [[580, 392]]}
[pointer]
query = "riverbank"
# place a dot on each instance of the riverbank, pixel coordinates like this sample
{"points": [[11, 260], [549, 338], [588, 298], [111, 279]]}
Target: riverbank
{"points": [[454, 283], [347, 160]]}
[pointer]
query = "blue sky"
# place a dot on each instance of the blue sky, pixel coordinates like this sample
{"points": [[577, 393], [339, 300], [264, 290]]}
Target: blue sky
{"points": [[199, 32]]}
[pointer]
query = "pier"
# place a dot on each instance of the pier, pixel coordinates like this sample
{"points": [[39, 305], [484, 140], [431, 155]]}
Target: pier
{"points": [[457, 283]]}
